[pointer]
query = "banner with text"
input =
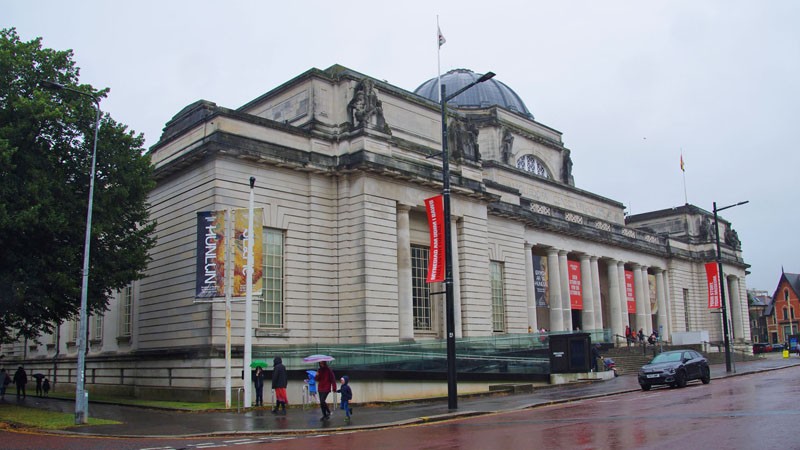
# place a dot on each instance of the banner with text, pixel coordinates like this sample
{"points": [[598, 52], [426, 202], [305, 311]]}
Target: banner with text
{"points": [[436, 260], [629, 292], [540, 281], [575, 290], [210, 279], [241, 235], [712, 277]]}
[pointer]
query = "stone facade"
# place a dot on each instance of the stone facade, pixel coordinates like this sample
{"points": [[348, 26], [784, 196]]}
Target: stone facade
{"points": [[343, 164]]}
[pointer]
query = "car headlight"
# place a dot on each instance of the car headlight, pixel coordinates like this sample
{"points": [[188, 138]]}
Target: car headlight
{"points": [[670, 370]]}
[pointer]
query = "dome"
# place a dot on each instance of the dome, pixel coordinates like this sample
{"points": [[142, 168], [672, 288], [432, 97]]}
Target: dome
{"points": [[483, 95]]}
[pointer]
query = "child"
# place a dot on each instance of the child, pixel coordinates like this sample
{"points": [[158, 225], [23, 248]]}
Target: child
{"points": [[347, 395], [46, 386], [312, 386]]}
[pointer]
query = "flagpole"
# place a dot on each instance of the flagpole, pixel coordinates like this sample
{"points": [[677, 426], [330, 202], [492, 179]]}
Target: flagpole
{"points": [[438, 57]]}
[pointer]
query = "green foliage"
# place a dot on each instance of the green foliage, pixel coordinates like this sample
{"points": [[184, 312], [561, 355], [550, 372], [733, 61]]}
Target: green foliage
{"points": [[46, 140]]}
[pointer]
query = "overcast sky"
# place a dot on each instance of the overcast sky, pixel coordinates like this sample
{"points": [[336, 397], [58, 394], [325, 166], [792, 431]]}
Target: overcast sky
{"points": [[630, 84]]}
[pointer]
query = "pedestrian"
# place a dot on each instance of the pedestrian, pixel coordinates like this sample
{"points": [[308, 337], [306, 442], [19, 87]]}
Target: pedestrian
{"points": [[641, 336], [46, 387], [326, 382], [38, 377], [20, 379], [312, 386], [595, 356], [279, 383], [652, 339], [347, 395], [628, 335], [258, 381], [5, 380]]}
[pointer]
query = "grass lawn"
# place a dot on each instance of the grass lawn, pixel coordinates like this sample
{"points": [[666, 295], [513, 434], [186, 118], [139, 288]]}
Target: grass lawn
{"points": [[42, 419], [185, 406]]}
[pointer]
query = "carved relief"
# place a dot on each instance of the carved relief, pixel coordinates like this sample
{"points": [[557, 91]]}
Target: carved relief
{"points": [[462, 139], [506, 147], [365, 110]]}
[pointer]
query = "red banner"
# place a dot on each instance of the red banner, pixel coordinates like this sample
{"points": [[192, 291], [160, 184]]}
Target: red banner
{"points": [[575, 291], [631, 297], [435, 208], [712, 276]]}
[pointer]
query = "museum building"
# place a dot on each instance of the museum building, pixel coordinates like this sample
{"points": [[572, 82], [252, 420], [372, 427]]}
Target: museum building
{"points": [[343, 164]]}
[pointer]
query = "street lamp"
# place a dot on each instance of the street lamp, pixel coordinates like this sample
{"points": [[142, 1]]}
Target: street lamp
{"points": [[722, 286], [452, 394], [81, 396]]}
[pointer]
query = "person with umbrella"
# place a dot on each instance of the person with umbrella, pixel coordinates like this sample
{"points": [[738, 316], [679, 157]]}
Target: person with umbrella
{"points": [[279, 383], [258, 380], [326, 382]]}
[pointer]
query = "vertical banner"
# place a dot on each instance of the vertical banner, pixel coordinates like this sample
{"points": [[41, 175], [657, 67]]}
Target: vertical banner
{"points": [[651, 282], [435, 208], [712, 277], [631, 297], [210, 277], [240, 236], [540, 279], [575, 290]]}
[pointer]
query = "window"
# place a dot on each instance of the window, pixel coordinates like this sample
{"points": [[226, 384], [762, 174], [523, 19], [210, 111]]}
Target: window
{"points": [[126, 312], [786, 295], [785, 314], [532, 164], [73, 330], [97, 327], [498, 300], [270, 314], [420, 290]]}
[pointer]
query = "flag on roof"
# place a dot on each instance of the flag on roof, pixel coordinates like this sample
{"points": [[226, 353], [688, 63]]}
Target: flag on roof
{"points": [[682, 169], [442, 40]]}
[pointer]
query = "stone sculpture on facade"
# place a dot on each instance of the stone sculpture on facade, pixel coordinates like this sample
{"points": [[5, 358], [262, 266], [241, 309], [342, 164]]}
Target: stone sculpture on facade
{"points": [[566, 169], [462, 138], [365, 110], [506, 147], [732, 238]]}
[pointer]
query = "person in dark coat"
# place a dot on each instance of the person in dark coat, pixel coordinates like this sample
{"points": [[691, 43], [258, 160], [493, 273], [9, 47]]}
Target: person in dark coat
{"points": [[5, 380], [347, 395], [279, 383], [20, 379], [595, 356], [46, 387], [326, 382], [38, 377], [258, 381]]}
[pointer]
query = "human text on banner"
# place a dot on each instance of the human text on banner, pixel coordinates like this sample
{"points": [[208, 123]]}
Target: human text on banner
{"points": [[575, 291], [540, 281], [210, 279], [435, 208], [712, 277], [241, 235], [629, 294]]}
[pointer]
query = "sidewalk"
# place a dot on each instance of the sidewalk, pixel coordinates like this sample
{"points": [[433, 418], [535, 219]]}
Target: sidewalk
{"points": [[140, 422]]}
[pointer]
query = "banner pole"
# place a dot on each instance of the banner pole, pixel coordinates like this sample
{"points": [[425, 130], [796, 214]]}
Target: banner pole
{"points": [[228, 287]]}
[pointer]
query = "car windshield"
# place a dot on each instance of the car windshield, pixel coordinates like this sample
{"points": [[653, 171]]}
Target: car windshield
{"points": [[666, 357]]}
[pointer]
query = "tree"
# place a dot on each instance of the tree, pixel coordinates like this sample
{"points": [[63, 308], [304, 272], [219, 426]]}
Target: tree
{"points": [[46, 140]]}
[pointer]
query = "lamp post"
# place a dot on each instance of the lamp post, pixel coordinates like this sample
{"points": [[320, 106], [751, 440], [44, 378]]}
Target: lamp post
{"points": [[722, 286], [452, 393], [81, 396]]}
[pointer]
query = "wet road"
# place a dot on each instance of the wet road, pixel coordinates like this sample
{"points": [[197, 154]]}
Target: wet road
{"points": [[757, 411]]}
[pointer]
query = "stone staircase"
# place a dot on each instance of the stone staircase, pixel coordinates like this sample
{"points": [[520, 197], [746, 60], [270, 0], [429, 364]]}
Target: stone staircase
{"points": [[629, 359]]}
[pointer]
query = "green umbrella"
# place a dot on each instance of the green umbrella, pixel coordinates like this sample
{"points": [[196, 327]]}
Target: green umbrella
{"points": [[258, 363]]}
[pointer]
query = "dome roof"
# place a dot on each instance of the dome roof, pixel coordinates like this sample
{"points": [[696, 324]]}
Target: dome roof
{"points": [[483, 95]]}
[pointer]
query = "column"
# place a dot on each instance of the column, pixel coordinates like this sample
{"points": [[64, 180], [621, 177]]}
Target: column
{"points": [[615, 302], [648, 307], [554, 284], [623, 295], [456, 278], [566, 309], [736, 308], [587, 314], [596, 295], [530, 289], [638, 290], [405, 312], [661, 301]]}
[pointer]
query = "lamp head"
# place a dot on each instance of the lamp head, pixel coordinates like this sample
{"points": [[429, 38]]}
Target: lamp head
{"points": [[48, 84], [486, 76]]}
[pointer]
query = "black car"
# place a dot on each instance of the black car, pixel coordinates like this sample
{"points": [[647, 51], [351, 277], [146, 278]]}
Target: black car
{"points": [[675, 368]]}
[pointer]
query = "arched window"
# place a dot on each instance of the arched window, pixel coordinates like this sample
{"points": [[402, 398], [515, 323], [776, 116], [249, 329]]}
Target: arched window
{"points": [[532, 164]]}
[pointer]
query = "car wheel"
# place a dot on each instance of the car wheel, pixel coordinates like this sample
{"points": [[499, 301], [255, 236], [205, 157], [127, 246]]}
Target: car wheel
{"points": [[645, 387], [680, 379], [706, 377]]}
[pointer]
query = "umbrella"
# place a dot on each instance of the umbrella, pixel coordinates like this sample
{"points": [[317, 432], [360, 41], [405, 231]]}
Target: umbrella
{"points": [[258, 363], [318, 358], [311, 373]]}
